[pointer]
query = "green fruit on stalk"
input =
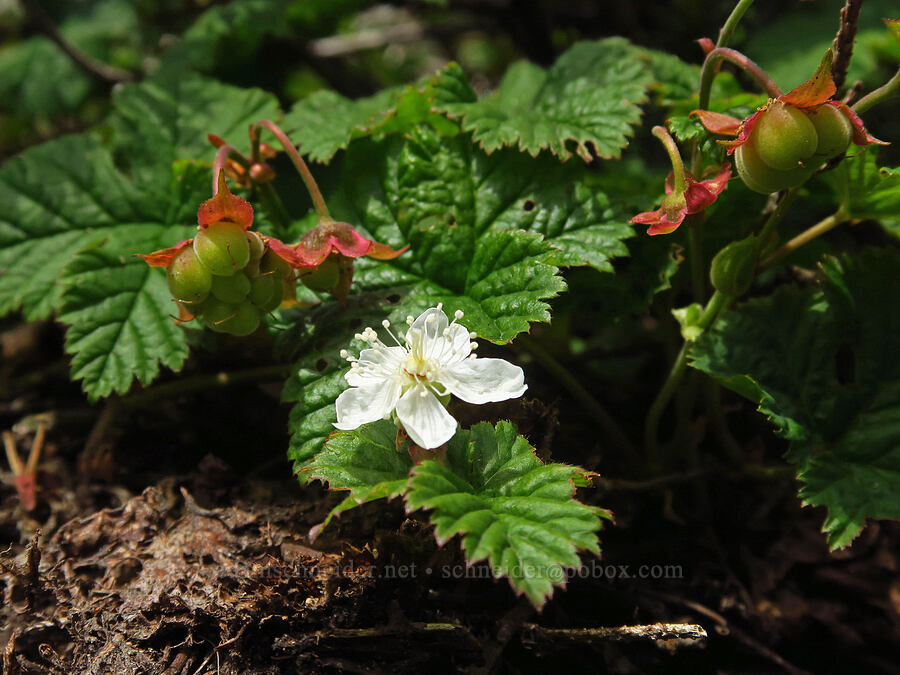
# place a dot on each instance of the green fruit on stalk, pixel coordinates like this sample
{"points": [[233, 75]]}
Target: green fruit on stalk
{"points": [[324, 278], [784, 136], [189, 280], [833, 129], [760, 177], [231, 289], [222, 248], [267, 292], [257, 249], [275, 265], [734, 267], [223, 317]]}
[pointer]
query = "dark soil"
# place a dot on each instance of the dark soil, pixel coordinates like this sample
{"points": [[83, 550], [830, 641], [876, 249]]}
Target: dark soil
{"points": [[171, 538]]}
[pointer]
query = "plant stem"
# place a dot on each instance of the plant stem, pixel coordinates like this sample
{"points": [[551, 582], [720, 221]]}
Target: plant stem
{"points": [[679, 181], [87, 63], [786, 200], [732, 21], [804, 237], [312, 187], [202, 382], [651, 426], [710, 67], [222, 155], [606, 421], [889, 90], [713, 396], [842, 46]]}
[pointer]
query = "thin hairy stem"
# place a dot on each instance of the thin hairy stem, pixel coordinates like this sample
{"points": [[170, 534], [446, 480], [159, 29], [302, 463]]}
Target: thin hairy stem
{"points": [[843, 41], [775, 217], [312, 187], [205, 382], [732, 21], [887, 91], [99, 69], [651, 426], [711, 65], [222, 155], [817, 230]]}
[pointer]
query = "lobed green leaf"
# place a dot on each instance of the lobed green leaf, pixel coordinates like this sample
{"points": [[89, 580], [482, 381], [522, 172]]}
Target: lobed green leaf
{"points": [[587, 102], [510, 509], [819, 365]]}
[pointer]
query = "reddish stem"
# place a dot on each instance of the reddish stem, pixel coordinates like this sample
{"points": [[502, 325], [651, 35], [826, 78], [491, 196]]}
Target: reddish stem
{"points": [[312, 187]]}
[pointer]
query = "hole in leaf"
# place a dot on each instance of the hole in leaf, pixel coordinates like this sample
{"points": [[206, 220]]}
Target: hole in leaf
{"points": [[392, 299], [451, 220], [528, 206], [321, 365]]}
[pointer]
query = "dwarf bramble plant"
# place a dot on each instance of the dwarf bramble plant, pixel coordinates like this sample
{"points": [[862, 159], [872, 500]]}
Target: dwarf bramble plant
{"points": [[454, 216]]}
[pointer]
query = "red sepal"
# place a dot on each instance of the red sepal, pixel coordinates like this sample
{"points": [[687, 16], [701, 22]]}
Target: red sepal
{"points": [[744, 135], [225, 207], [816, 90], [164, 257], [698, 196], [327, 238], [718, 123], [860, 135]]}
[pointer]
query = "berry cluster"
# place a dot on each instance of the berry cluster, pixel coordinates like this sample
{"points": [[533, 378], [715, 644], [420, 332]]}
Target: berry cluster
{"points": [[788, 143], [229, 277]]}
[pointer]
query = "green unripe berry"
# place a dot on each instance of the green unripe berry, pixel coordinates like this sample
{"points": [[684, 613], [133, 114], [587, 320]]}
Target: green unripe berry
{"points": [[257, 248], [231, 289], [274, 264], [267, 292], [189, 280], [784, 136], [734, 267], [222, 248], [324, 278], [833, 130], [760, 177], [223, 317]]}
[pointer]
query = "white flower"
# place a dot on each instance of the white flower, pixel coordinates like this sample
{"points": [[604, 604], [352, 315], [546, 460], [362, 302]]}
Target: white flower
{"points": [[434, 361]]}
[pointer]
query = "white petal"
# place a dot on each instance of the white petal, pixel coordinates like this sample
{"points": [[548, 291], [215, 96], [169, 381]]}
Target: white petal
{"points": [[457, 345], [426, 335], [376, 365], [361, 405], [426, 421], [483, 380]]}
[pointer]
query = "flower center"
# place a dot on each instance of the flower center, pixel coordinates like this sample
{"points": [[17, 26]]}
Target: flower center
{"points": [[417, 367]]}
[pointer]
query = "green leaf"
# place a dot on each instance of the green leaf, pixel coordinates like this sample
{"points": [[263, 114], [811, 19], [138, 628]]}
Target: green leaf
{"points": [[235, 31], [790, 48], [325, 122], [815, 362], [319, 334], [510, 509], [461, 220], [73, 220], [588, 101], [168, 117], [118, 310], [38, 78], [365, 462], [865, 189]]}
